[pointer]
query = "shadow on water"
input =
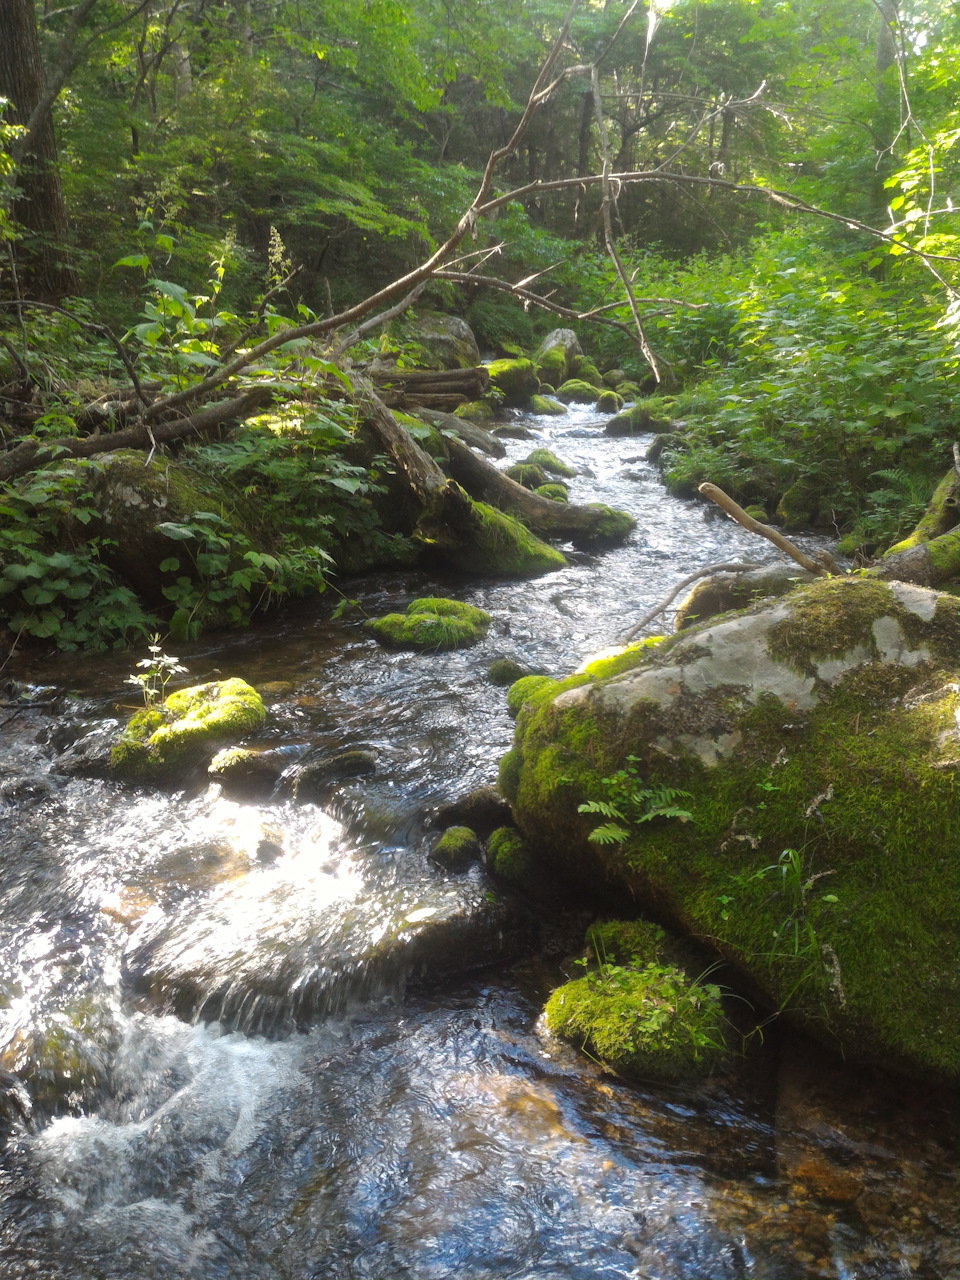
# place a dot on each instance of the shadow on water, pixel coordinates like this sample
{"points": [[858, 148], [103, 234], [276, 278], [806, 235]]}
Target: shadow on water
{"points": [[387, 1128]]}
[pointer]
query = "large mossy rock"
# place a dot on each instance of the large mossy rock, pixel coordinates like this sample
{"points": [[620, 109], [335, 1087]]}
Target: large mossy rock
{"points": [[448, 341], [163, 741], [516, 380], [722, 592], [825, 724], [134, 502], [576, 391], [432, 623], [566, 340], [635, 421]]}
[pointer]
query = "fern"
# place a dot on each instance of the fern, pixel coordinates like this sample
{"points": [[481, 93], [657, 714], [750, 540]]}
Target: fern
{"points": [[630, 802]]}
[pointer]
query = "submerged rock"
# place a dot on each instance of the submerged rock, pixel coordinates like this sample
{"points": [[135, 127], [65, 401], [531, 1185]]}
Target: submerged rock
{"points": [[246, 773], [819, 739], [160, 742], [280, 949], [504, 672], [314, 780], [432, 623]]}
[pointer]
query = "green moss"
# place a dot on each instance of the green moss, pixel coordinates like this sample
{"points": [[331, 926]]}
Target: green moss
{"points": [[651, 1022], [627, 659], [509, 855], [609, 402], [612, 528], [756, 512], [508, 774], [456, 848], [944, 553], [542, 404], [632, 942], [552, 366], [475, 411], [516, 380], [635, 421], [555, 492], [529, 476], [829, 618], [548, 461], [521, 690], [628, 390], [577, 391], [184, 726], [433, 624]]}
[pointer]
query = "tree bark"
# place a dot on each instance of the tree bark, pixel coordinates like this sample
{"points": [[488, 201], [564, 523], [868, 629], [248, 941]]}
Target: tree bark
{"points": [[39, 208]]}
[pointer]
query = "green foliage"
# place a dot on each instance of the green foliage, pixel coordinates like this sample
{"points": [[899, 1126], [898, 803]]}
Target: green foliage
{"points": [[54, 584], [629, 801], [156, 672]]}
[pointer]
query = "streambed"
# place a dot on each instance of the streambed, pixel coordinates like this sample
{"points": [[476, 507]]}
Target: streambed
{"points": [[394, 1127]]}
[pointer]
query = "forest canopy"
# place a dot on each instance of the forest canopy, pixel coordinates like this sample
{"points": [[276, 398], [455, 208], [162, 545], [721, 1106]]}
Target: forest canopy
{"points": [[750, 208]]}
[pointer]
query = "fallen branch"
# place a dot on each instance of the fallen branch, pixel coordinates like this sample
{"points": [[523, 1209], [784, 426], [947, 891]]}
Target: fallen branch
{"points": [[32, 454], [826, 564], [692, 577]]}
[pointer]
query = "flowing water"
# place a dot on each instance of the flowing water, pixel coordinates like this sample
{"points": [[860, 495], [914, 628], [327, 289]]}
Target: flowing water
{"points": [[371, 1103]]}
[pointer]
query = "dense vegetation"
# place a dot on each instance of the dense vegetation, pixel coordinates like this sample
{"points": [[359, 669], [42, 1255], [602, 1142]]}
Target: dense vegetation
{"points": [[233, 171]]}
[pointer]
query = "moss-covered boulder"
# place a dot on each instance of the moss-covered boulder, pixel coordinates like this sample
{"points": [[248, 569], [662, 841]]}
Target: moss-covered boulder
{"points": [[456, 849], [587, 371], [161, 741], [798, 507], [635, 421], [653, 1022], [552, 366], [245, 772], [576, 391], [549, 462], [478, 539], [555, 492], [628, 390], [521, 689], [482, 810], [818, 737], [609, 402], [431, 623], [531, 477], [446, 342], [612, 378], [545, 406], [516, 380], [567, 342], [509, 856], [479, 411]]}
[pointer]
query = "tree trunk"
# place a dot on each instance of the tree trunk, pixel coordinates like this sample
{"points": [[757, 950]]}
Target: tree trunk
{"points": [[43, 261]]}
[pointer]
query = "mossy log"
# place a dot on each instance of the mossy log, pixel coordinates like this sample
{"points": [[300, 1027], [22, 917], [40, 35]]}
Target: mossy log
{"points": [[930, 555], [580, 524]]}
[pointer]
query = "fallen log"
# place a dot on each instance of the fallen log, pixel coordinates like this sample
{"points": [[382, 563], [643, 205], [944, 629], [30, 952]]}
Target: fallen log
{"points": [[476, 437], [36, 453], [584, 526]]}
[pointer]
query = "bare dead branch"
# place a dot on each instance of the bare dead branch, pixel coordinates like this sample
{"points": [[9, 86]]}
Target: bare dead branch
{"points": [[820, 567], [668, 600]]}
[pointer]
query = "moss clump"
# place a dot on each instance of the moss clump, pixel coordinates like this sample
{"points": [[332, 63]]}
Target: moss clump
{"points": [[509, 856], [188, 723], [829, 618], [756, 512], [504, 672], [529, 476], [516, 380], [555, 492], [475, 411], [543, 405], [628, 390], [577, 391], [548, 461], [432, 623], [652, 1021], [609, 402], [632, 942], [944, 553], [521, 690], [456, 849]]}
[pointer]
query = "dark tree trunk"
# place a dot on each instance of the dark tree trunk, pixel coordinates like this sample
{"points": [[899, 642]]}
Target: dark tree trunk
{"points": [[43, 263]]}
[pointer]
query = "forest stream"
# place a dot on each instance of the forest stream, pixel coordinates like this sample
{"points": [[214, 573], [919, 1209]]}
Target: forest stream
{"points": [[362, 1110]]}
